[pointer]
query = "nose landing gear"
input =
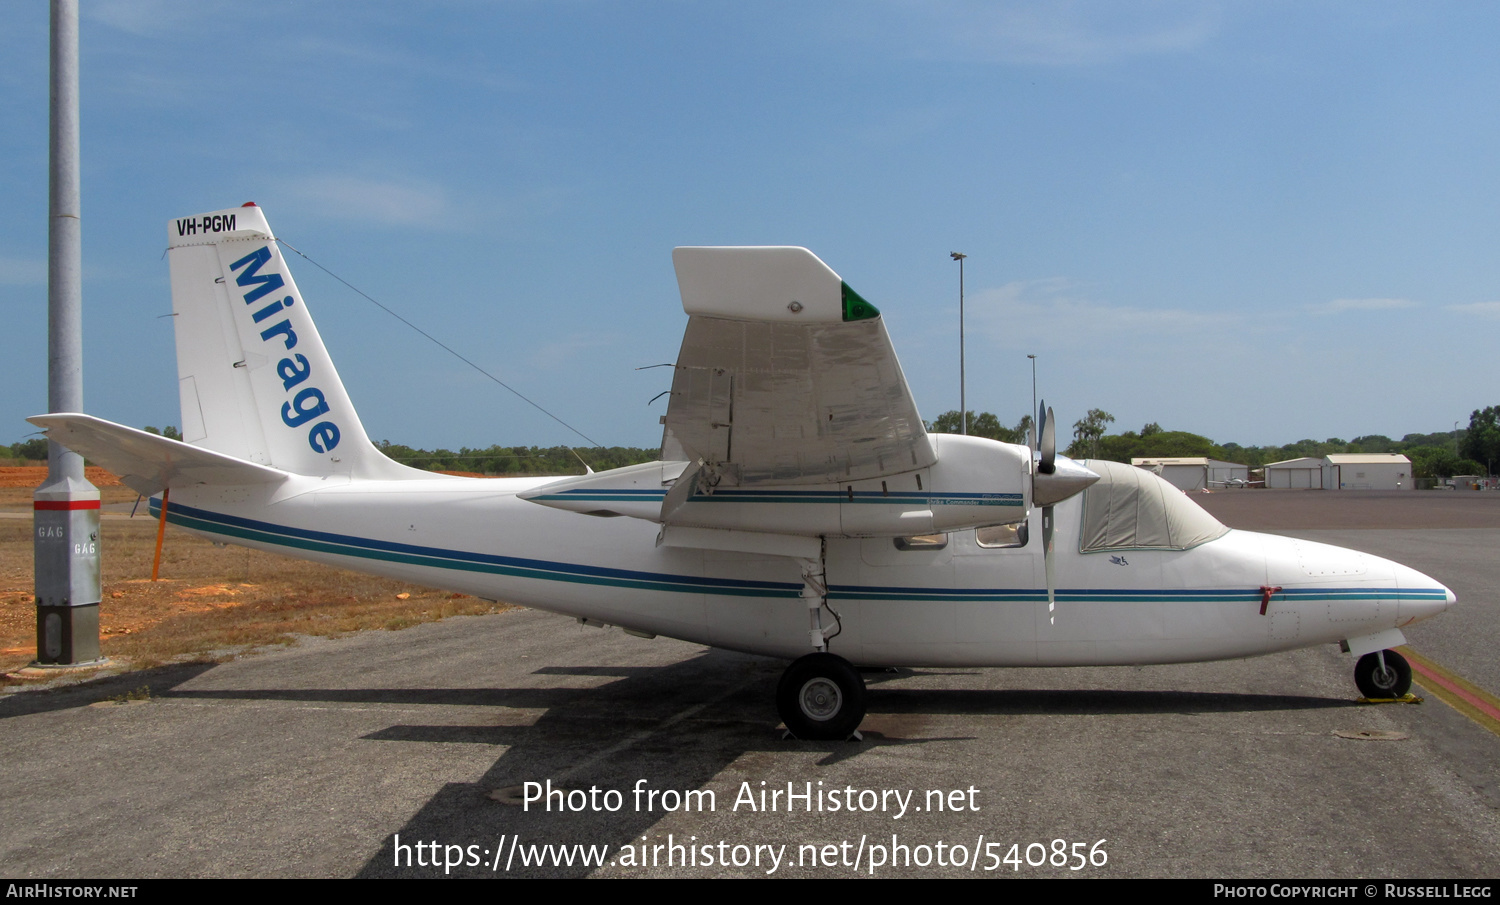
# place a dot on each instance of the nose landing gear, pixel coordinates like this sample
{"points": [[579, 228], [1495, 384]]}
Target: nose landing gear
{"points": [[1383, 674]]}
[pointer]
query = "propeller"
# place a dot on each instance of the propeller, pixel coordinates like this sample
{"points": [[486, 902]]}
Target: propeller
{"points": [[1046, 463], [1052, 482]]}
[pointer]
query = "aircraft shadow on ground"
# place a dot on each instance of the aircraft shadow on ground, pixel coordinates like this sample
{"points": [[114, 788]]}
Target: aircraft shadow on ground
{"points": [[676, 727], [159, 682], [1088, 702], [613, 736]]}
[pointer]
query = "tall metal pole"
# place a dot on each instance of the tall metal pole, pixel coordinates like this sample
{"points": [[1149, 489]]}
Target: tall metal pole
{"points": [[66, 507], [963, 402], [1033, 391]]}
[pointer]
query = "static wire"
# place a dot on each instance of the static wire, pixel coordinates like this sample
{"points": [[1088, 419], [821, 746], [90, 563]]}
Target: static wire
{"points": [[446, 348]]}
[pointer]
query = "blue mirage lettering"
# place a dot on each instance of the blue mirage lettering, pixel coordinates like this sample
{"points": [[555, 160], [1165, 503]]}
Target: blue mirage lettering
{"points": [[209, 223], [264, 283], [308, 402]]}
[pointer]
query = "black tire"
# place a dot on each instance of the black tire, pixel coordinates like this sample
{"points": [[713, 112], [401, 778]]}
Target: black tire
{"points": [[821, 697], [1394, 682]]}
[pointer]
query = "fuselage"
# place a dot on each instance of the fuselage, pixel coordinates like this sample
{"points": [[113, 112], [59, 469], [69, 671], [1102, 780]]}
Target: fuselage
{"points": [[946, 602]]}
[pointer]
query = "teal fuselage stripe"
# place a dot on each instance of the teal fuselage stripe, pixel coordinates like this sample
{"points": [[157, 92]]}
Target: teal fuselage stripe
{"points": [[546, 570], [463, 561]]}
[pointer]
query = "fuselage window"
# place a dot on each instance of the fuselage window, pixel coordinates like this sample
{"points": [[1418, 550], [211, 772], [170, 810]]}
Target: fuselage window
{"points": [[1002, 535], [922, 542]]}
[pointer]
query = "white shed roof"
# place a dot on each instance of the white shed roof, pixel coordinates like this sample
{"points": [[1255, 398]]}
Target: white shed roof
{"points": [[1304, 462], [1187, 460], [1367, 459]]}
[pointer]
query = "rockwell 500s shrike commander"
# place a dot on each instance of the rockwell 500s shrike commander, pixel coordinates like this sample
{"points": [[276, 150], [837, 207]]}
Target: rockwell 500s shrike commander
{"points": [[800, 509]]}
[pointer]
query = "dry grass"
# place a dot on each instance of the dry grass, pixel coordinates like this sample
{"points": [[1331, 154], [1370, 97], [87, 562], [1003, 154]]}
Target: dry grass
{"points": [[212, 601], [29, 477]]}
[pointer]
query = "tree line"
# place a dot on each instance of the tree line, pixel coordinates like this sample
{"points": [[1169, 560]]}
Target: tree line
{"points": [[519, 460], [1439, 455], [1475, 450], [492, 460]]}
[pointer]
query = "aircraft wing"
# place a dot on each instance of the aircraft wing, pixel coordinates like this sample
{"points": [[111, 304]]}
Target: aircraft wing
{"points": [[147, 463], [786, 375]]}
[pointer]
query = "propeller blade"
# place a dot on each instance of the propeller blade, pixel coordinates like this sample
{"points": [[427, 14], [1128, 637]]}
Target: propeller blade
{"points": [[1048, 442], [1047, 561], [1051, 484]]}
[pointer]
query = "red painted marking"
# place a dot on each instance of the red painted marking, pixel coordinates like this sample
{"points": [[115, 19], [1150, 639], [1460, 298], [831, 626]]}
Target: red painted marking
{"points": [[1483, 706], [54, 505]]}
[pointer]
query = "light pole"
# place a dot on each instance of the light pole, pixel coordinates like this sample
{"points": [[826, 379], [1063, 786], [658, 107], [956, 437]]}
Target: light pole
{"points": [[963, 402], [66, 560], [1033, 393]]}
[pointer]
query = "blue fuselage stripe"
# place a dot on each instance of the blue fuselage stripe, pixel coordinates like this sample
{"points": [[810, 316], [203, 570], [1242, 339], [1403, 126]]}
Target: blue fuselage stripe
{"points": [[547, 570]]}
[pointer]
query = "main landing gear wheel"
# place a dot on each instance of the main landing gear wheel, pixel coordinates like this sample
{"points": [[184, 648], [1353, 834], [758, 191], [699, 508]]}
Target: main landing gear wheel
{"points": [[821, 697], [1391, 682]]}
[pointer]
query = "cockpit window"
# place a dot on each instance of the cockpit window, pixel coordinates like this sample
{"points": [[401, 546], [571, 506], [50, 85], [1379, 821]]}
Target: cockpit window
{"points": [[1132, 509]]}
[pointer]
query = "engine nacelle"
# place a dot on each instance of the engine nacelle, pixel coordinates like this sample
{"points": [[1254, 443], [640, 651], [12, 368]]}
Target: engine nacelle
{"points": [[974, 482]]}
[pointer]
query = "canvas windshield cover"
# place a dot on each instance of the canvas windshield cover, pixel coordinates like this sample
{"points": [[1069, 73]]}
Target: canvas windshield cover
{"points": [[1131, 508]]}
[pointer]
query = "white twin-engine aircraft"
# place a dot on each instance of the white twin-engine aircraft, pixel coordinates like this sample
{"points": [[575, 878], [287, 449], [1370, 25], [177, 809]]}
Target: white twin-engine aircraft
{"points": [[799, 510]]}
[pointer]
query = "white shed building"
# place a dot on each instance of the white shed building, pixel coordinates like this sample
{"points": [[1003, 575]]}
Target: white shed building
{"points": [[1305, 473], [1367, 471], [1197, 473]]}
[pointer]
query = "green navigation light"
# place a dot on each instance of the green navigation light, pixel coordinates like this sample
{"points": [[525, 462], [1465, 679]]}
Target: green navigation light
{"points": [[855, 307]]}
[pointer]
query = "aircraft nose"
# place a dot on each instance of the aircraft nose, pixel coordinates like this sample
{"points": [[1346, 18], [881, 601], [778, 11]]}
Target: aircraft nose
{"points": [[1421, 595]]}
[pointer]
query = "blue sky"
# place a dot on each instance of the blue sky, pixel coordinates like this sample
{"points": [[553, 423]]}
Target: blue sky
{"points": [[1258, 222]]}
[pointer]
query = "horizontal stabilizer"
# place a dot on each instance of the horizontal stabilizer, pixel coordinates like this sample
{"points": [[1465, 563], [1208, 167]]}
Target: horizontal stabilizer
{"points": [[148, 463]]}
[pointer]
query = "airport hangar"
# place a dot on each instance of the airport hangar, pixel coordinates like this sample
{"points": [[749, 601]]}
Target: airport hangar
{"points": [[1194, 473], [1342, 471]]}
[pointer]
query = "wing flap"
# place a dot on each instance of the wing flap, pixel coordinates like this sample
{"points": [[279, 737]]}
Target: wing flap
{"points": [[147, 463]]}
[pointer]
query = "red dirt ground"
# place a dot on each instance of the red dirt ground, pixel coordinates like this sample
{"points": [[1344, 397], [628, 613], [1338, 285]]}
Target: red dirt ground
{"points": [[34, 475]]}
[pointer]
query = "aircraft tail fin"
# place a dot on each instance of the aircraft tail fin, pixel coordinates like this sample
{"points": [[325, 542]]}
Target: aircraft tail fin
{"points": [[255, 379]]}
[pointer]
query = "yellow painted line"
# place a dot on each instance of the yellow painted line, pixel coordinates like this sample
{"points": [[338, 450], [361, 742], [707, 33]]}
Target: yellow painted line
{"points": [[1459, 693]]}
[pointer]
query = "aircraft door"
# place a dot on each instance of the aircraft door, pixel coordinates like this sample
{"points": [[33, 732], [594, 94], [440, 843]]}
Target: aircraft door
{"points": [[905, 587], [1001, 568]]}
